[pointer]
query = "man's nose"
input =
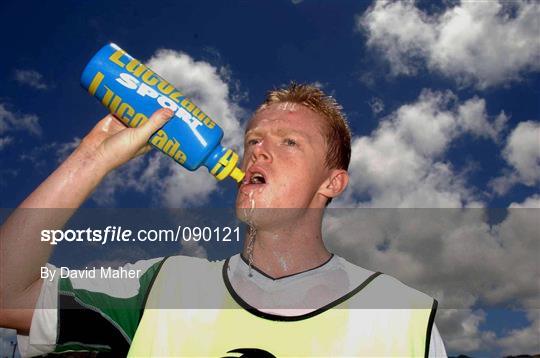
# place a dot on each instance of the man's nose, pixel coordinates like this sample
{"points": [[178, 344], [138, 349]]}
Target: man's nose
{"points": [[261, 152]]}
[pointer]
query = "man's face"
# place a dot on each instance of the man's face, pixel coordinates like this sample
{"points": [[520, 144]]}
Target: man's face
{"points": [[284, 154]]}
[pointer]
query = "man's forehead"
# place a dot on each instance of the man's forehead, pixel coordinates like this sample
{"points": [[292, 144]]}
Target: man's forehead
{"points": [[285, 115]]}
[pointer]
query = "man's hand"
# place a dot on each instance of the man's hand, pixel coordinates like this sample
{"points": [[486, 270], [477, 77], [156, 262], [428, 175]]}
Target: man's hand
{"points": [[112, 144]]}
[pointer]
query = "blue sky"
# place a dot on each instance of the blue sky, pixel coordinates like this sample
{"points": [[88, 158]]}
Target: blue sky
{"points": [[442, 98]]}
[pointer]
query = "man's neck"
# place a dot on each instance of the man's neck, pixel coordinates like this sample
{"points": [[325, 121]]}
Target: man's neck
{"points": [[288, 250]]}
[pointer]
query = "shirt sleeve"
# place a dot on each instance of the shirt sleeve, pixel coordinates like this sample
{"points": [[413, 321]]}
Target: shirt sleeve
{"points": [[99, 310], [42, 337], [436, 345]]}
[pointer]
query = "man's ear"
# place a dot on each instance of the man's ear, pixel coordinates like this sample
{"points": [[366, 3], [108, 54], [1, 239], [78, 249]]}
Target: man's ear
{"points": [[335, 184]]}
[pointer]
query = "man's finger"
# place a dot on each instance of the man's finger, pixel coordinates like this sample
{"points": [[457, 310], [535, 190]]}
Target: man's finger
{"points": [[155, 122], [111, 124]]}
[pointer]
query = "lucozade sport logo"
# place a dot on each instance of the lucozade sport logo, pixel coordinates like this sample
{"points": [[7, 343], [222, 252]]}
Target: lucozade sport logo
{"points": [[147, 84]]}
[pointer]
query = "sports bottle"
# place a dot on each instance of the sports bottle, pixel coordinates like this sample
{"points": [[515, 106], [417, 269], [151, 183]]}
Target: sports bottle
{"points": [[132, 92]]}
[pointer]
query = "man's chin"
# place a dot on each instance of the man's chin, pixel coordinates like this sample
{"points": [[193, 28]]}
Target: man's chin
{"points": [[254, 215], [251, 196], [268, 218]]}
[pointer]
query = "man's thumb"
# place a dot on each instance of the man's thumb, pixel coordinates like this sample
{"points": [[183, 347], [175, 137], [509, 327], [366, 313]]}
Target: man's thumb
{"points": [[154, 123]]}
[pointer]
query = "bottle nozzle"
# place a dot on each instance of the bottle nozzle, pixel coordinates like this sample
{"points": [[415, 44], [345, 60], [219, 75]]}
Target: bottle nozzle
{"points": [[226, 166], [237, 175]]}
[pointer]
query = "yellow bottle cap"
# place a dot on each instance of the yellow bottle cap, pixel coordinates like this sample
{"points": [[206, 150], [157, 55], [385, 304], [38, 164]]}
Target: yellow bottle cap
{"points": [[226, 166], [237, 175]]}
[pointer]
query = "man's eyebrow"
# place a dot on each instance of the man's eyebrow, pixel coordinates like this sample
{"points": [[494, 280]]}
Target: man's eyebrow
{"points": [[251, 131], [280, 132]]}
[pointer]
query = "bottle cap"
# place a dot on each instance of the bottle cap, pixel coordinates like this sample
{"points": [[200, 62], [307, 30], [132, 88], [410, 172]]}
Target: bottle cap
{"points": [[237, 175], [226, 166]]}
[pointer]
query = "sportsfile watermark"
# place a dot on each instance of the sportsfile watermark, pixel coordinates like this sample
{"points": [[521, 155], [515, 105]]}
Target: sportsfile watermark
{"points": [[121, 234], [449, 254]]}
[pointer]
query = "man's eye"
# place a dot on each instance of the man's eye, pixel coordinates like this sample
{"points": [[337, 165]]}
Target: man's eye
{"points": [[290, 142], [252, 141]]}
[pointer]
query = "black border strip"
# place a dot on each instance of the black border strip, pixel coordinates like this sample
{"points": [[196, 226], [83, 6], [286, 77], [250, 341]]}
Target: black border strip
{"points": [[281, 277], [274, 317], [99, 331], [430, 326]]}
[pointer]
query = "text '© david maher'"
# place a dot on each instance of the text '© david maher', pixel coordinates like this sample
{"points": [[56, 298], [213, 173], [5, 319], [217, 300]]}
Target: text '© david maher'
{"points": [[119, 234]]}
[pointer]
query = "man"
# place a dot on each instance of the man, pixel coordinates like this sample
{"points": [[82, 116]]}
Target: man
{"points": [[285, 295]]}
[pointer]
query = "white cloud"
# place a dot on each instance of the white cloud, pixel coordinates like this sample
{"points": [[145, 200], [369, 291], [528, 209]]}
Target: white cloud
{"points": [[532, 202], [522, 152], [462, 328], [115, 257], [39, 155], [5, 141], [31, 78], [402, 164], [472, 118], [202, 82], [63, 150], [181, 187], [455, 255], [376, 105], [140, 174], [169, 184], [485, 43], [193, 249], [11, 121], [526, 339], [318, 84]]}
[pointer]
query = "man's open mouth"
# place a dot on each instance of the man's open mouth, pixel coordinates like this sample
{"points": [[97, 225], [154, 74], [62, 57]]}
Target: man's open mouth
{"points": [[257, 178], [254, 176]]}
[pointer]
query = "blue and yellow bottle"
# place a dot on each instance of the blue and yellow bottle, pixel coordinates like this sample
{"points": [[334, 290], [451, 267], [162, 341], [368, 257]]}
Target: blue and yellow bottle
{"points": [[132, 92]]}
